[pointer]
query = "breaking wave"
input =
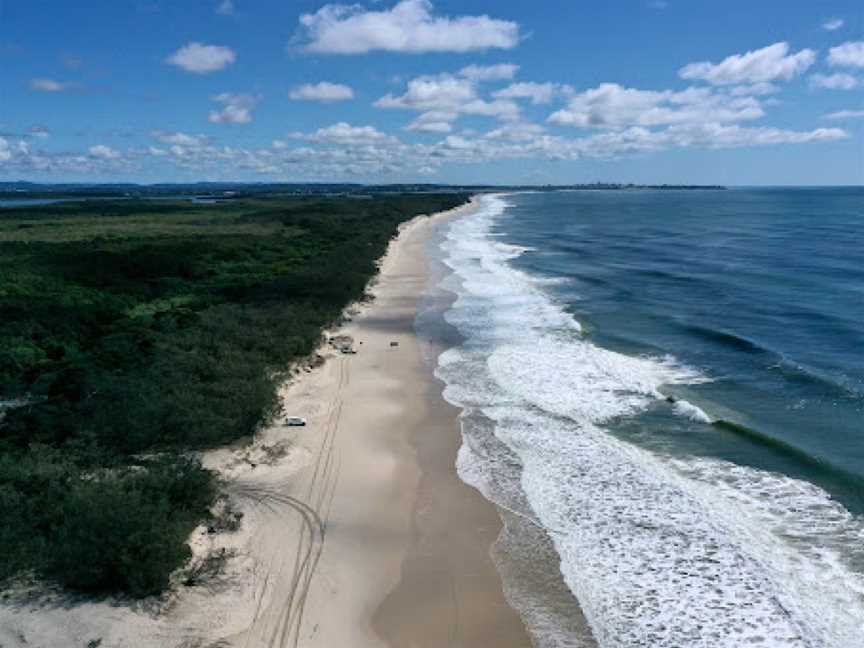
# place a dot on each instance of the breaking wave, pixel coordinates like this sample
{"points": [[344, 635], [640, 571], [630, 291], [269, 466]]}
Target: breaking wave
{"points": [[658, 551]]}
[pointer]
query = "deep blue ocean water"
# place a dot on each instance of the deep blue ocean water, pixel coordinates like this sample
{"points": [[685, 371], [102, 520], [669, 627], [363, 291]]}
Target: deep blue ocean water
{"points": [[670, 384], [761, 290]]}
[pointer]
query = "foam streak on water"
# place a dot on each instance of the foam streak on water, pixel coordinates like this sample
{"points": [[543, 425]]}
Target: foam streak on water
{"points": [[658, 551]]}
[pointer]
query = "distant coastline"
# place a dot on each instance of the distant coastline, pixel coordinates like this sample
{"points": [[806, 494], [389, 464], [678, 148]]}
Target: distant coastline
{"points": [[231, 190]]}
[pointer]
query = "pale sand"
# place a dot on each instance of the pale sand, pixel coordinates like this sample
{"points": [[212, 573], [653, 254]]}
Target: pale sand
{"points": [[357, 532]]}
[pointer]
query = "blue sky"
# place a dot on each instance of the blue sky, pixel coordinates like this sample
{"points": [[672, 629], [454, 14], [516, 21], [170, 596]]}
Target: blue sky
{"points": [[738, 92]]}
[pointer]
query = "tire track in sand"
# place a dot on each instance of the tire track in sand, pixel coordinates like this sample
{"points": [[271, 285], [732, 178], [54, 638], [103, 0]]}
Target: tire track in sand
{"points": [[279, 624]]}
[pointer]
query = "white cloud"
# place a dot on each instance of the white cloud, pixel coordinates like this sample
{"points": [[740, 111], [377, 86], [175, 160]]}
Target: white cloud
{"points": [[850, 54], [19, 157], [345, 153], [538, 93], [833, 23], [237, 108], [181, 139], [499, 72], [615, 144], [516, 132], [846, 114], [447, 95], [225, 8], [426, 126], [625, 121], [409, 26], [637, 139], [458, 143], [433, 122], [344, 133], [202, 59], [767, 64], [432, 93], [103, 152], [324, 91], [839, 81], [343, 150], [754, 89], [610, 105], [734, 136], [49, 85]]}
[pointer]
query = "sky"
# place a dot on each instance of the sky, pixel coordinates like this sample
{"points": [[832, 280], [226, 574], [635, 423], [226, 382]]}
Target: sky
{"points": [[440, 91]]}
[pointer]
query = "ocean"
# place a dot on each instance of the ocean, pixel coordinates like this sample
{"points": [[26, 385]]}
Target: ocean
{"points": [[663, 392]]}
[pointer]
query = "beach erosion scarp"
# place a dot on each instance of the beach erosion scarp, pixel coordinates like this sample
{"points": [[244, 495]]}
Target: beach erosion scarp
{"points": [[356, 530]]}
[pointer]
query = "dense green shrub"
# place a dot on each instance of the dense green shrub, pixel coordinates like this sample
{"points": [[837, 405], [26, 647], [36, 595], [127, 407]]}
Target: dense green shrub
{"points": [[127, 531], [149, 329]]}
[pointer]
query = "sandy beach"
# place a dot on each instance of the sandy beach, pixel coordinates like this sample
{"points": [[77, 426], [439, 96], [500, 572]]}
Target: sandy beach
{"points": [[356, 528]]}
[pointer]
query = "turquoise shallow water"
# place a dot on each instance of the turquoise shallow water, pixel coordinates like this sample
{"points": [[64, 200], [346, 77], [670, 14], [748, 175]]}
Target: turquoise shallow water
{"points": [[669, 385]]}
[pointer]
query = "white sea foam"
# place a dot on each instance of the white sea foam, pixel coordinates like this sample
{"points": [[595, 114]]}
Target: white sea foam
{"points": [[689, 410], [658, 551], [512, 251]]}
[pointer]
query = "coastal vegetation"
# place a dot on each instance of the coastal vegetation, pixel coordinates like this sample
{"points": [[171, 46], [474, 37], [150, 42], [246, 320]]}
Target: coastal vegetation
{"points": [[135, 332]]}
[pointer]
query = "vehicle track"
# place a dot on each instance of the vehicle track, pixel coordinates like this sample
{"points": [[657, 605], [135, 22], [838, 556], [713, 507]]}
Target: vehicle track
{"points": [[279, 625]]}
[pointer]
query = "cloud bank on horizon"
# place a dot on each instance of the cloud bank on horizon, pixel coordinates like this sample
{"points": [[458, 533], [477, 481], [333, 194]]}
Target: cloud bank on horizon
{"points": [[407, 91]]}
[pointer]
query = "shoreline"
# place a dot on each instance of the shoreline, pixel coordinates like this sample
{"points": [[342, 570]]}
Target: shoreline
{"points": [[357, 531], [425, 539], [450, 592]]}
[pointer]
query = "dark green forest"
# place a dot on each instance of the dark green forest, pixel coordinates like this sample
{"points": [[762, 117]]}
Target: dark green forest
{"points": [[134, 332]]}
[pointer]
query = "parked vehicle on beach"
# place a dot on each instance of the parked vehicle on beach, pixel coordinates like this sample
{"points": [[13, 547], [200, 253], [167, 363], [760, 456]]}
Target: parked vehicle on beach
{"points": [[295, 421]]}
